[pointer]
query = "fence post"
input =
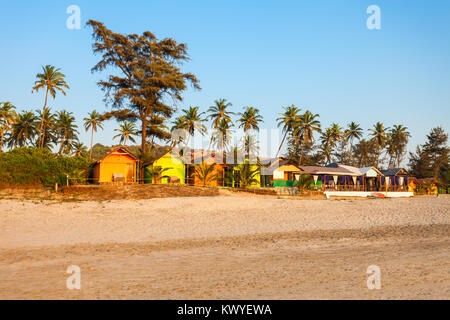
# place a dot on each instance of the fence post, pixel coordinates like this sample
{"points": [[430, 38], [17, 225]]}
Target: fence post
{"points": [[56, 186], [67, 179]]}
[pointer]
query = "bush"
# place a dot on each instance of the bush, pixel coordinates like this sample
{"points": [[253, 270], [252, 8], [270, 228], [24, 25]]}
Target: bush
{"points": [[33, 166], [304, 183]]}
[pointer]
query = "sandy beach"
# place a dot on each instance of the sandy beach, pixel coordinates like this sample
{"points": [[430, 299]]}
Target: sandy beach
{"points": [[225, 247]]}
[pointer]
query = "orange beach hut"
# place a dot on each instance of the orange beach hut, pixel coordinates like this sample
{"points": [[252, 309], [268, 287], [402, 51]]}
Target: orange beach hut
{"points": [[120, 166]]}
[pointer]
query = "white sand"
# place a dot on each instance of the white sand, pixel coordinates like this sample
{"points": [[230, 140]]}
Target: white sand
{"points": [[47, 223]]}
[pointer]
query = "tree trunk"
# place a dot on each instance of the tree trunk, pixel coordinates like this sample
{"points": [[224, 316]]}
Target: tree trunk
{"points": [[282, 141], [92, 141], [1, 141], [143, 147], [62, 144], [42, 121]]}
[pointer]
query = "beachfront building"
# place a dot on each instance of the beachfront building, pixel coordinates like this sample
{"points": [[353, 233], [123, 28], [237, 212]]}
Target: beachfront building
{"points": [[171, 167], [251, 168], [332, 178], [396, 179], [223, 172], [362, 179], [278, 172], [118, 166]]}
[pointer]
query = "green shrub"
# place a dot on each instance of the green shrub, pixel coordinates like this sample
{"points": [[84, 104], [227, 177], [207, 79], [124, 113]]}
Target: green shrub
{"points": [[33, 166]]}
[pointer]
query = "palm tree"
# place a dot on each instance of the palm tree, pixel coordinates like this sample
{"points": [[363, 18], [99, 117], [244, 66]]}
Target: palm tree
{"points": [[7, 116], [304, 130], [93, 122], [191, 121], [247, 175], [221, 137], [288, 119], [250, 119], [50, 80], [250, 146], [336, 132], [206, 173], [79, 149], [23, 129], [219, 111], [47, 120], [380, 137], [126, 132], [397, 143], [156, 174], [330, 138], [354, 131], [66, 130], [326, 152], [303, 183]]}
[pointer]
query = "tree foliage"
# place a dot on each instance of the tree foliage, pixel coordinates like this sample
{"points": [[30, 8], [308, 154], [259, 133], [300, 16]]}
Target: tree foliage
{"points": [[431, 160], [36, 166], [148, 76]]}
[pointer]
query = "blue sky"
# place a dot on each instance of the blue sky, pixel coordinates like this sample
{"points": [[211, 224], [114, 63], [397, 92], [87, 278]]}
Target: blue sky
{"points": [[318, 55]]}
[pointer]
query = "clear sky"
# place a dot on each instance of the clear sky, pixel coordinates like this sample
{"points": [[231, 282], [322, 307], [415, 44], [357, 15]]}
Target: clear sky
{"points": [[318, 55]]}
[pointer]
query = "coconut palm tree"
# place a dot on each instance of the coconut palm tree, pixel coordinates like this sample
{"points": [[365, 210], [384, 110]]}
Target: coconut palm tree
{"points": [[24, 129], [337, 133], [126, 132], [326, 152], [206, 173], [66, 130], [156, 174], [221, 137], [178, 133], [51, 80], [326, 138], [330, 138], [7, 116], [304, 182], [380, 136], [93, 122], [250, 146], [304, 129], [246, 175], [397, 143], [79, 149], [47, 120], [250, 119], [219, 111], [192, 121], [288, 120], [353, 131]]}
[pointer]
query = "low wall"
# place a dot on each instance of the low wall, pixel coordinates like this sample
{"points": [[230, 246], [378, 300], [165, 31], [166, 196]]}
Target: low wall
{"points": [[362, 194], [137, 192]]}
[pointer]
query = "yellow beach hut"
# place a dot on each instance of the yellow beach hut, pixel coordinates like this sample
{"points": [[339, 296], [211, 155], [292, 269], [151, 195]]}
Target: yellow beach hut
{"points": [[173, 166]]}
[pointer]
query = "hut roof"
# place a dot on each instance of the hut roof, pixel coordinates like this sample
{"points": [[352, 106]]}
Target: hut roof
{"points": [[119, 148], [367, 169], [270, 166], [354, 170], [327, 170], [394, 171]]}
